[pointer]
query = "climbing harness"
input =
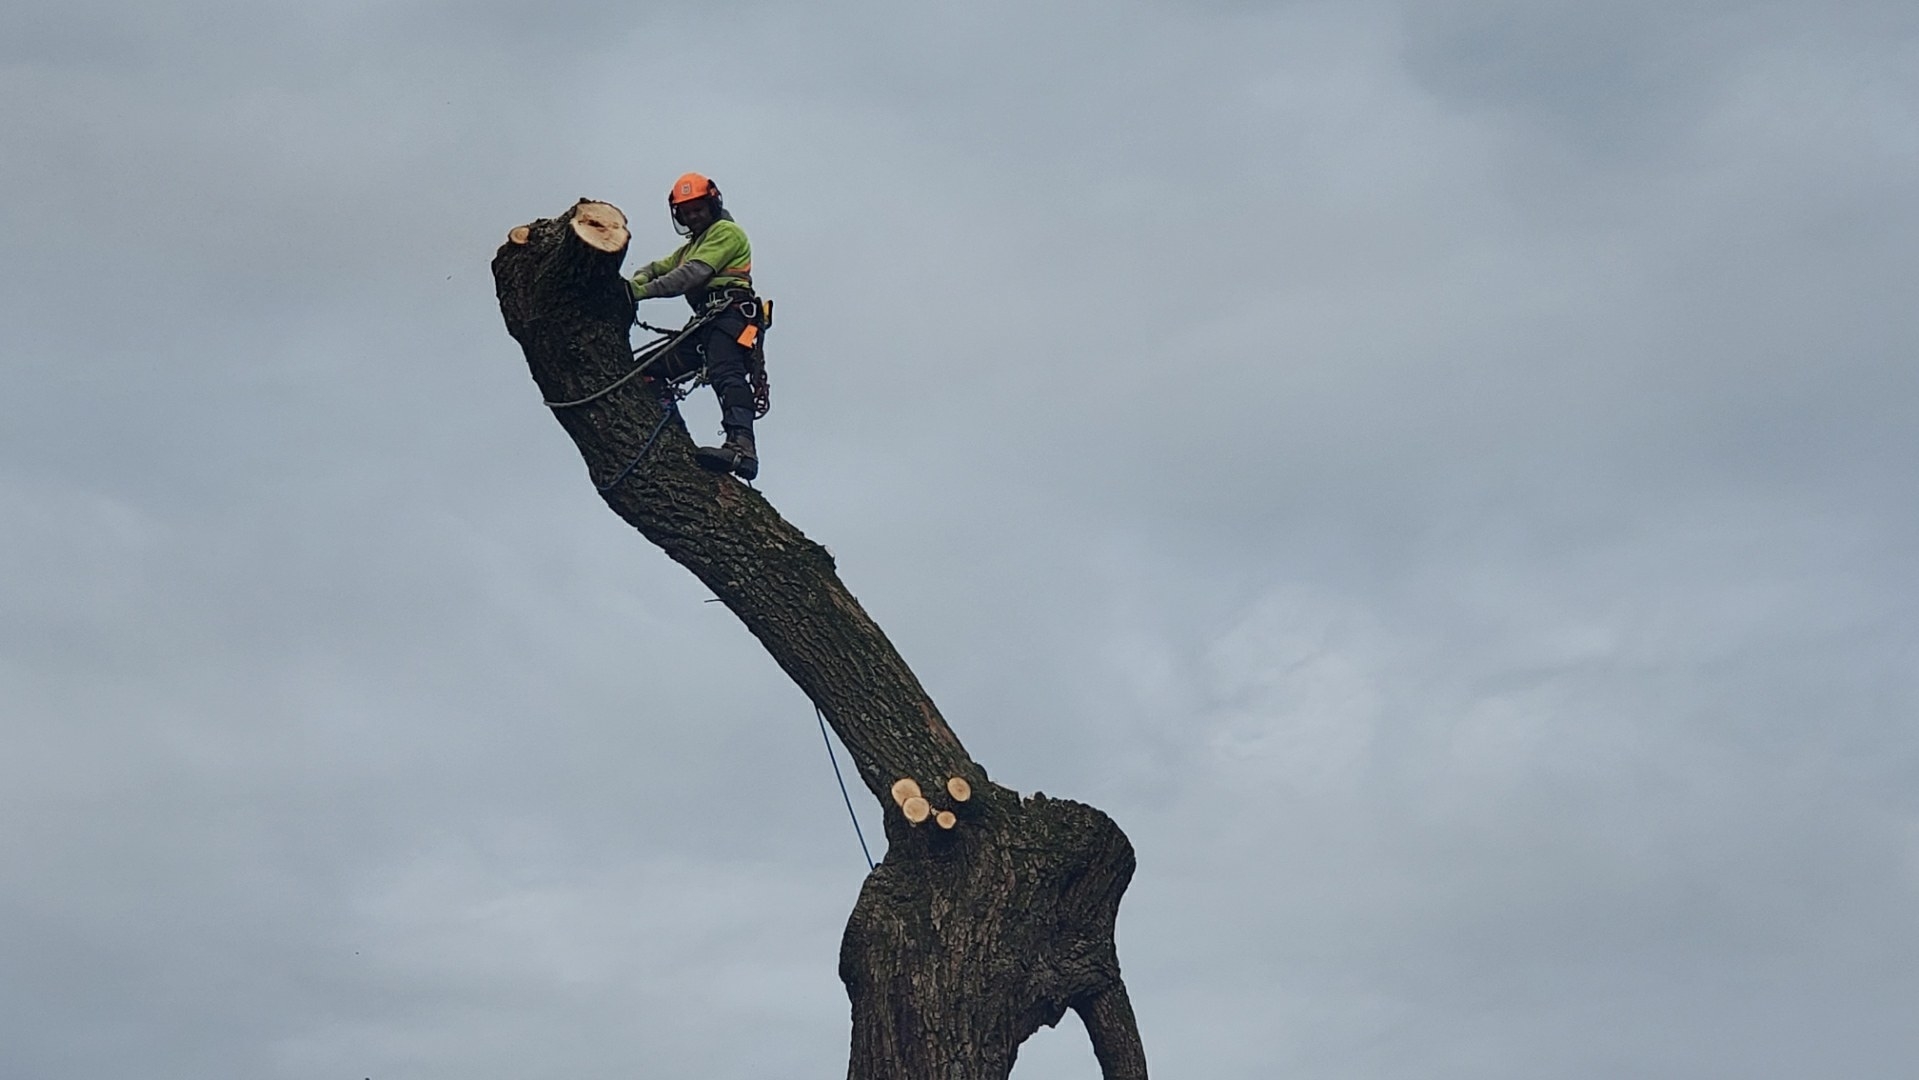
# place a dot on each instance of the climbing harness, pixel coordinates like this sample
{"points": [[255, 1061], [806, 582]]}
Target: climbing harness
{"points": [[757, 312], [834, 758]]}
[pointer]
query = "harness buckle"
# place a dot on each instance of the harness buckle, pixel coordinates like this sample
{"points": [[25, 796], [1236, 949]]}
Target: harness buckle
{"points": [[729, 296]]}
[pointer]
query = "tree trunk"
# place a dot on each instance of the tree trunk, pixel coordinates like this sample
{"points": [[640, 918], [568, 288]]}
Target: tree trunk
{"points": [[991, 914]]}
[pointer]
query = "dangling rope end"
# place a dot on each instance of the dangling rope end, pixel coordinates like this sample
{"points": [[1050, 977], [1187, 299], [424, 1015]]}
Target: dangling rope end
{"points": [[834, 758]]}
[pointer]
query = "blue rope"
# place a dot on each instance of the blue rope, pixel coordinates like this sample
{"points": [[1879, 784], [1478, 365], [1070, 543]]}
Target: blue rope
{"points": [[668, 409], [834, 758]]}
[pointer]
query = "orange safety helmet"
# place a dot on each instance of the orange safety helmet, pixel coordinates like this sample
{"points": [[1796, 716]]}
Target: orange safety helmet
{"points": [[689, 187]]}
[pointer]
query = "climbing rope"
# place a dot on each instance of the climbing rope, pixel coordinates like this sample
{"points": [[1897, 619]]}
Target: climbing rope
{"points": [[669, 408], [646, 355], [834, 758]]}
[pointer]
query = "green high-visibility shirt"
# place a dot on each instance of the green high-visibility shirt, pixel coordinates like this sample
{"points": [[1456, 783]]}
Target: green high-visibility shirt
{"points": [[723, 246]]}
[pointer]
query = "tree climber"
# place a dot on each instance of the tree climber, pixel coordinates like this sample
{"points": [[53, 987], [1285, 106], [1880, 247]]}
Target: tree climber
{"points": [[714, 271]]}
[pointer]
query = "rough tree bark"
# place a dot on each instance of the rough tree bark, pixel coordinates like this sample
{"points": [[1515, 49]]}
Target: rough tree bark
{"points": [[990, 914]]}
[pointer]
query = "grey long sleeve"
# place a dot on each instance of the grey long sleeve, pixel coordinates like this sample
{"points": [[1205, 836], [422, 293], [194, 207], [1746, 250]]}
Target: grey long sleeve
{"points": [[678, 281]]}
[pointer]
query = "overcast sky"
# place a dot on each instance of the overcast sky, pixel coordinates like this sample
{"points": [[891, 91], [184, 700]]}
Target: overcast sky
{"points": [[1439, 474]]}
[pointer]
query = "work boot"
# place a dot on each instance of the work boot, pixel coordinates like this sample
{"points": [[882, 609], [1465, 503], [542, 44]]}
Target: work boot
{"points": [[736, 455]]}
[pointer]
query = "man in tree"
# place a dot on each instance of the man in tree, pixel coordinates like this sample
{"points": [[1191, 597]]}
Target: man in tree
{"points": [[1023, 892], [714, 271]]}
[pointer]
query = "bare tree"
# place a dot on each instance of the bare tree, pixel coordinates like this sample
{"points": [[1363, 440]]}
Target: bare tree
{"points": [[991, 915]]}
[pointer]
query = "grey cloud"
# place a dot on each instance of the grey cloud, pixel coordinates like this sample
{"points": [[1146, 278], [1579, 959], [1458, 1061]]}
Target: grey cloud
{"points": [[1433, 473]]}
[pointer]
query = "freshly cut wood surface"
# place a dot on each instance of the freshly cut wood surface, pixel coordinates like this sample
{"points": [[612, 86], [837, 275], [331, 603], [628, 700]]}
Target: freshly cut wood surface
{"points": [[946, 819], [916, 809], [519, 233], [600, 226], [959, 789], [905, 788]]}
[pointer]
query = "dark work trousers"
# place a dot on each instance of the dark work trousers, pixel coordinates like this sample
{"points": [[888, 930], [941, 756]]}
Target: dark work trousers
{"points": [[716, 347]]}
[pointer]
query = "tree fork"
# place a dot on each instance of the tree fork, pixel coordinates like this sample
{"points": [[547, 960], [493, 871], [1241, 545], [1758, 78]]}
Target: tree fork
{"points": [[991, 915]]}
